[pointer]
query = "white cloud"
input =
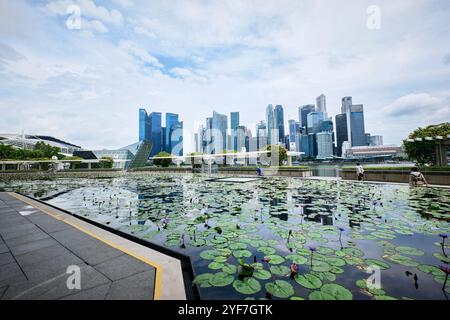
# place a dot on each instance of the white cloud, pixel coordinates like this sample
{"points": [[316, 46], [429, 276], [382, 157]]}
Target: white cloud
{"points": [[139, 53]]}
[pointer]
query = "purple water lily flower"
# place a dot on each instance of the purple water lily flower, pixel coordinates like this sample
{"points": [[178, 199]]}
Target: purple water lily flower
{"points": [[341, 229], [443, 236], [312, 249], [446, 269]]}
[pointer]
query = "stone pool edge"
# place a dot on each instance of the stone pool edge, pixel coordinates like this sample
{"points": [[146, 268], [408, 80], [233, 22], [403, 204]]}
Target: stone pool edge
{"points": [[169, 279]]}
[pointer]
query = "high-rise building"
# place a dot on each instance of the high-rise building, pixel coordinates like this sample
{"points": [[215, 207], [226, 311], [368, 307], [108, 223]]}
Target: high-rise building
{"points": [[314, 122], [303, 112], [346, 104], [376, 140], [357, 131], [294, 130], [303, 145], [176, 139], [341, 132], [324, 145], [279, 123], [272, 136], [156, 132], [171, 120], [261, 135], [219, 132], [321, 105], [144, 125], [241, 135], [234, 118]]}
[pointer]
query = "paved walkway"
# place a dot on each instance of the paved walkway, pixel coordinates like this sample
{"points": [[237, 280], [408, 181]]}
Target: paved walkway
{"points": [[39, 243]]}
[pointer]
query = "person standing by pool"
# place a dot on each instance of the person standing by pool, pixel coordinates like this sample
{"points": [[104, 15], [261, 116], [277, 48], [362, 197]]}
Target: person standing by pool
{"points": [[359, 172], [259, 171], [416, 177]]}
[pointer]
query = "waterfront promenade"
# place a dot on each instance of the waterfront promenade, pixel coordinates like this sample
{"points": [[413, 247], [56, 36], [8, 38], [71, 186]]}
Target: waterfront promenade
{"points": [[40, 247]]}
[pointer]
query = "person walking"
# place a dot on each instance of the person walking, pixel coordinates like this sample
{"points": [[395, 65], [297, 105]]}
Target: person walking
{"points": [[359, 172], [417, 178]]}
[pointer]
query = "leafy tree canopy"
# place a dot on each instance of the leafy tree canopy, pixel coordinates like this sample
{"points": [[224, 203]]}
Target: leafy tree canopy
{"points": [[424, 152]]}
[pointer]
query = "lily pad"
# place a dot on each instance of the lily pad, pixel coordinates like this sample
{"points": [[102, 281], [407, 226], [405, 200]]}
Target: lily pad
{"points": [[202, 280], [229, 268], [280, 289], [247, 286], [221, 279], [267, 250], [409, 251], [380, 264], [242, 253], [281, 271], [275, 259], [308, 281], [331, 291], [262, 274]]}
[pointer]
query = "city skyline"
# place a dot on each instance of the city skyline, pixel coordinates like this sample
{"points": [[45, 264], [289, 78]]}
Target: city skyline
{"points": [[65, 82]]}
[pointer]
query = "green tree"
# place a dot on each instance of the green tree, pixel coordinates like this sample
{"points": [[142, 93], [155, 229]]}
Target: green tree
{"points": [[107, 164], [424, 152], [46, 150], [165, 162], [277, 149]]}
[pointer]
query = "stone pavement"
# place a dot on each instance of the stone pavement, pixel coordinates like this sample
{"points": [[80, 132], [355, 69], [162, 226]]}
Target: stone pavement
{"points": [[36, 250]]}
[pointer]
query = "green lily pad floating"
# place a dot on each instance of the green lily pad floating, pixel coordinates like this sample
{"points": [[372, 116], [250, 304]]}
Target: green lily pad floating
{"points": [[262, 274], [399, 259], [281, 271], [297, 259], [331, 291], [247, 286], [202, 280], [355, 252], [229, 268], [280, 289], [267, 250], [275, 259], [308, 281], [242, 254], [441, 257], [216, 265], [213, 254], [435, 271], [296, 298], [238, 246], [320, 266], [409, 251], [334, 261], [221, 279], [380, 264]]}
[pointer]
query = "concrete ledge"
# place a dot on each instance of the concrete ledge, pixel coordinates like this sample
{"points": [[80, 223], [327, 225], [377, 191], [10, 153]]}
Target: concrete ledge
{"points": [[402, 176], [169, 284]]}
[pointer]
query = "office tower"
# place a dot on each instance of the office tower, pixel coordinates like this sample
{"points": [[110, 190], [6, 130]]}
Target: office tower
{"points": [[176, 139], [312, 145], [261, 135], [324, 145], [270, 125], [314, 121], [346, 104], [219, 132], [234, 118], [303, 112], [357, 131], [144, 125], [241, 134], [155, 132], [295, 129], [321, 105], [376, 140], [171, 120], [279, 123], [341, 132], [303, 144]]}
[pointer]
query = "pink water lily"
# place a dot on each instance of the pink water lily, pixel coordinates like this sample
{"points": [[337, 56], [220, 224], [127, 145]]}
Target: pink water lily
{"points": [[294, 268]]}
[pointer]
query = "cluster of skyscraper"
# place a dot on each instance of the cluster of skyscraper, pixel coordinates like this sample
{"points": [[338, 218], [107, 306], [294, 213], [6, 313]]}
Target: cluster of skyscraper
{"points": [[312, 134], [168, 138]]}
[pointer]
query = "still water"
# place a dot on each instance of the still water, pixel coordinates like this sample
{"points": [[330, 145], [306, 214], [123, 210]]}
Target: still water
{"points": [[276, 238]]}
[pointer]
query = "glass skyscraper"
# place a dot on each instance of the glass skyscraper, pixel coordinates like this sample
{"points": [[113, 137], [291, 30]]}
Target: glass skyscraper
{"points": [[341, 132], [219, 131], [314, 122], [171, 121], [279, 122], [358, 135], [144, 132], [234, 118], [176, 138], [303, 112], [270, 125], [321, 105], [156, 132]]}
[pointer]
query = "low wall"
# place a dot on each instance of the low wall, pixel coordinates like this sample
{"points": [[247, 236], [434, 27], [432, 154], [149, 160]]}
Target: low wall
{"points": [[433, 177], [269, 172]]}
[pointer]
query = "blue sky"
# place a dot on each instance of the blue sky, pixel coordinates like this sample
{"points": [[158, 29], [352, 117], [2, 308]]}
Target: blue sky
{"points": [[192, 57]]}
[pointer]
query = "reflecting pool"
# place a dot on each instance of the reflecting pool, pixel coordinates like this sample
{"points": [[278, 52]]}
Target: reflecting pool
{"points": [[277, 238]]}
